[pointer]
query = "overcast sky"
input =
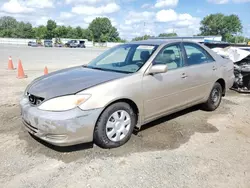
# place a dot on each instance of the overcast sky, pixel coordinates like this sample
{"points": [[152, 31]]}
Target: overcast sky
{"points": [[128, 16]]}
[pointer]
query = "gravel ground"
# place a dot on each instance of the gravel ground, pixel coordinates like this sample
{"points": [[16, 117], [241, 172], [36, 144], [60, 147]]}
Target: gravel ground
{"points": [[192, 148]]}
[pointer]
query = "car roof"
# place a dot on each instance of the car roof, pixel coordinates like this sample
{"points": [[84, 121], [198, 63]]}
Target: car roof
{"points": [[158, 41]]}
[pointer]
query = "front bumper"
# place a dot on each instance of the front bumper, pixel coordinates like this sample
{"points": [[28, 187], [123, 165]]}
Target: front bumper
{"points": [[60, 128]]}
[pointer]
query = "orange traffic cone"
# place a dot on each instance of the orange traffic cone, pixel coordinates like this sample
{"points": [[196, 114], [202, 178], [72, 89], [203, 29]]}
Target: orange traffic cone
{"points": [[20, 72], [10, 64], [46, 70]]}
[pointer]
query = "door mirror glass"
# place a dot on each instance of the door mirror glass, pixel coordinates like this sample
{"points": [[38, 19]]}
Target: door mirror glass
{"points": [[155, 69]]}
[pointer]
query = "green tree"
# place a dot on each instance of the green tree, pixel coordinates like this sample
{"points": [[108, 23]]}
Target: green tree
{"points": [[102, 30], [8, 26], [220, 24], [87, 34], [114, 35], [61, 31], [145, 37], [79, 32], [100, 27], [40, 32], [167, 35], [51, 26], [237, 39], [24, 30], [71, 33]]}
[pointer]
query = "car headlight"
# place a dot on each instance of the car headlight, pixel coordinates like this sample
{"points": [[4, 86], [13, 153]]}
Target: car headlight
{"points": [[64, 103]]}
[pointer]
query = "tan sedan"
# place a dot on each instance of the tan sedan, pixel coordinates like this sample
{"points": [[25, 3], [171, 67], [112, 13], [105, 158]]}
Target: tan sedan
{"points": [[122, 89]]}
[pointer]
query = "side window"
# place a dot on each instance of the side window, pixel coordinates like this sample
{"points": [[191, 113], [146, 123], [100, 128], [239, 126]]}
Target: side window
{"points": [[143, 50], [171, 56], [196, 55]]}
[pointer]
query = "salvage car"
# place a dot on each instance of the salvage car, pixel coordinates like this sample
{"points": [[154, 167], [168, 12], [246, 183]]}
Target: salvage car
{"points": [[240, 56], [121, 90]]}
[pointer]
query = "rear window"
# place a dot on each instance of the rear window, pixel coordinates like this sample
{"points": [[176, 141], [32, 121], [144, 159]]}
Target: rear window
{"points": [[196, 54]]}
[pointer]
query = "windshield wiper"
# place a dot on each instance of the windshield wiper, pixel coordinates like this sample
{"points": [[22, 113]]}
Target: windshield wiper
{"points": [[97, 68], [86, 66], [110, 70]]}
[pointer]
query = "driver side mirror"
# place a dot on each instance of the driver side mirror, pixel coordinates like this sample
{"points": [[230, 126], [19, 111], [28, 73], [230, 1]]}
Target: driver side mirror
{"points": [[155, 69]]}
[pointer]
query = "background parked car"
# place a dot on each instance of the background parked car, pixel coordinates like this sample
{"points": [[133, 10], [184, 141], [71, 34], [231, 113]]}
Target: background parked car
{"points": [[67, 44], [29, 43], [33, 44], [48, 43], [81, 44], [75, 44]]}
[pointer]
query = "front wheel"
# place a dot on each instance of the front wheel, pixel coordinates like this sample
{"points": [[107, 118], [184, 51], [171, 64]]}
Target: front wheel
{"points": [[115, 126], [214, 99]]}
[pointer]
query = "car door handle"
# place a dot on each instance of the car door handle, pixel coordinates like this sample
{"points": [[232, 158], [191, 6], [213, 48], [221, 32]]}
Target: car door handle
{"points": [[184, 75], [214, 68]]}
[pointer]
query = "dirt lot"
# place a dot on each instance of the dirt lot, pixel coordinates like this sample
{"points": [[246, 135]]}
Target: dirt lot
{"points": [[192, 148]]}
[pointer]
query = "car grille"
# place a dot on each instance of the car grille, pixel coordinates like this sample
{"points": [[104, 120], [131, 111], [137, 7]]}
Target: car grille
{"points": [[34, 100]]}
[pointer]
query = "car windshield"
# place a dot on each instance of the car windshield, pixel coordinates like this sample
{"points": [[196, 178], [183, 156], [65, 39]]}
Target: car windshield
{"points": [[126, 58]]}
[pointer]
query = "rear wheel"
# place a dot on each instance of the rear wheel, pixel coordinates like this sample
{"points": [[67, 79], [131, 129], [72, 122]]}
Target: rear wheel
{"points": [[115, 126], [214, 99]]}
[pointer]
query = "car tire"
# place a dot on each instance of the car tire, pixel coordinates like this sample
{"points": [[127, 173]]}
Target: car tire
{"points": [[214, 99], [115, 126]]}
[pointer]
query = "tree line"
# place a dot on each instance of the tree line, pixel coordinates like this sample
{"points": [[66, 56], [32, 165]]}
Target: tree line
{"points": [[99, 30], [227, 26], [145, 37]]}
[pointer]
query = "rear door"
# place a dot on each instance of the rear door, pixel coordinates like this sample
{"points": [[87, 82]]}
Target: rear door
{"points": [[201, 71]]}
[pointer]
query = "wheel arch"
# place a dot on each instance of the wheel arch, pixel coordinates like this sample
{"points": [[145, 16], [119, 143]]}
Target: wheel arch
{"points": [[126, 100], [222, 82]]}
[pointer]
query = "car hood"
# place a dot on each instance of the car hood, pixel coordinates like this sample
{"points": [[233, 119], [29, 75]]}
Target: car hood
{"points": [[69, 81]]}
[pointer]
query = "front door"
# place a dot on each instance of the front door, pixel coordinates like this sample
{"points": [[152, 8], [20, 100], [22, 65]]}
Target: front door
{"points": [[164, 92]]}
